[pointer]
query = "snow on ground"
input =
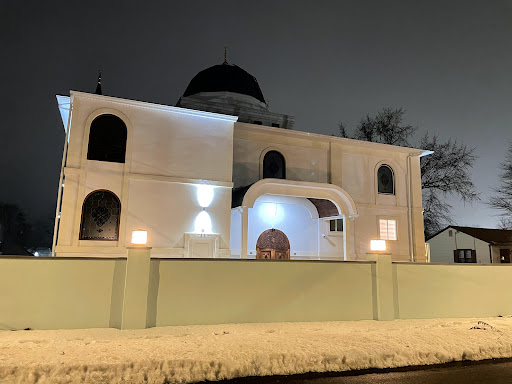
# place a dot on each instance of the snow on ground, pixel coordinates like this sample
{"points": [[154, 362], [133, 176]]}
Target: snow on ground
{"points": [[186, 354]]}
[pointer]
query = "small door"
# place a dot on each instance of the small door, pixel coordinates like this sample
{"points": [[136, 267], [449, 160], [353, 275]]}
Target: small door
{"points": [[273, 244]]}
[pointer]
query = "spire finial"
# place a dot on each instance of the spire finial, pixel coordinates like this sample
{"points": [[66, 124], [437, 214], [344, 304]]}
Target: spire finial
{"points": [[225, 56], [98, 86]]}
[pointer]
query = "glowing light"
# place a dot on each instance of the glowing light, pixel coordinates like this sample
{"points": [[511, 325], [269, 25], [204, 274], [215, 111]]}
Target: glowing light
{"points": [[378, 245], [204, 195], [36, 253], [270, 210], [203, 223], [270, 213], [139, 237]]}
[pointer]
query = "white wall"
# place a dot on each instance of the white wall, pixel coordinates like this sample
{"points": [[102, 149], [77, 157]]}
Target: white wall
{"points": [[168, 151], [442, 246]]}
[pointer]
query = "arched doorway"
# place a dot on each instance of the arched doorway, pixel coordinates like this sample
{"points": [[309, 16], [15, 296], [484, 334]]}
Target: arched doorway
{"points": [[273, 244]]}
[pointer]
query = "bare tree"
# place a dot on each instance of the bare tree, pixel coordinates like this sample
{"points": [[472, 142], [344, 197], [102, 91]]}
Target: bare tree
{"points": [[445, 172], [387, 127], [502, 198]]}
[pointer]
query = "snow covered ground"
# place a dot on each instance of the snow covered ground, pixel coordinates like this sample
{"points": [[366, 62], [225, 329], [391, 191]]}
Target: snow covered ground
{"points": [[186, 354]]}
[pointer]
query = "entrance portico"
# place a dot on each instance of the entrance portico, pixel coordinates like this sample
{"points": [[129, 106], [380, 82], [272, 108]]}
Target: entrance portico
{"points": [[322, 201]]}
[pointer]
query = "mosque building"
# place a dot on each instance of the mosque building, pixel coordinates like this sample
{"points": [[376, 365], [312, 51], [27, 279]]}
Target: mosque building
{"points": [[221, 176]]}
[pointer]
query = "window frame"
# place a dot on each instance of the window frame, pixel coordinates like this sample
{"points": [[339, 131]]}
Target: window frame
{"points": [[262, 161], [387, 230], [336, 232], [472, 253], [393, 181], [80, 238], [91, 131]]}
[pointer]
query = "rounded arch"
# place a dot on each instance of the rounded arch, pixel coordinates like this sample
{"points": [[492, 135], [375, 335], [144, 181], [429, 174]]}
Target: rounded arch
{"points": [[279, 156], [101, 211], [107, 139], [385, 179], [341, 199]]}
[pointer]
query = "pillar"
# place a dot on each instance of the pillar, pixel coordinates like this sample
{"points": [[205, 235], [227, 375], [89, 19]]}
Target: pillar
{"points": [[135, 301]]}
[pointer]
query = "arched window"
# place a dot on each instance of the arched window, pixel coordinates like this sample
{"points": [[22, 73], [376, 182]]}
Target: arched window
{"points": [[100, 216], [274, 166], [107, 139], [385, 180]]}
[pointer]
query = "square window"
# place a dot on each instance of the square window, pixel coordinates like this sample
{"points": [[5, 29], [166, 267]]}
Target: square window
{"points": [[387, 229], [336, 225]]}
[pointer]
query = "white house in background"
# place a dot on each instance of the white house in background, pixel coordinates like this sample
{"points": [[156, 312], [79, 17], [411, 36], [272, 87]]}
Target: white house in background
{"points": [[219, 175], [456, 244]]}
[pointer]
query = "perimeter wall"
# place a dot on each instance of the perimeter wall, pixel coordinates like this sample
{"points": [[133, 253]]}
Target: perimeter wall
{"points": [[140, 292]]}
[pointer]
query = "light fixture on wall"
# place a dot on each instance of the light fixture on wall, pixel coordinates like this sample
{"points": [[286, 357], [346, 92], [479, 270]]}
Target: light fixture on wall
{"points": [[377, 245], [203, 223], [139, 237], [204, 195]]}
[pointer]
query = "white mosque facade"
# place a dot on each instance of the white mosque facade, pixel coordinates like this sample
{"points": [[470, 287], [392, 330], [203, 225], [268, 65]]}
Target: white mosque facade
{"points": [[220, 176]]}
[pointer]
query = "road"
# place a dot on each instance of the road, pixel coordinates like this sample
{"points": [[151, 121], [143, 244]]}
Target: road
{"points": [[485, 372]]}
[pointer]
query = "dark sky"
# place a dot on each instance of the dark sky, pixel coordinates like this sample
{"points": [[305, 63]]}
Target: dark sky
{"points": [[448, 63]]}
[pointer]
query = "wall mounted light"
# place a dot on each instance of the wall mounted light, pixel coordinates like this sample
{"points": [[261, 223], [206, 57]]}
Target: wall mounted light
{"points": [[139, 237], [204, 195], [378, 245], [203, 223]]}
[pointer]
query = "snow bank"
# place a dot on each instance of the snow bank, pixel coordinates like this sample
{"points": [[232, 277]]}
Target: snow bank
{"points": [[186, 354]]}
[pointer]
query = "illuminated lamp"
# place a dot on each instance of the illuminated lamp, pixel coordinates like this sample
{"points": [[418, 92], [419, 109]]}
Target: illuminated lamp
{"points": [[204, 195], [139, 237], [203, 222], [378, 245]]}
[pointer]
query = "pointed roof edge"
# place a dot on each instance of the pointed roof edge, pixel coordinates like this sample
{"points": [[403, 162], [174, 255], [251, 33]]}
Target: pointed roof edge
{"points": [[98, 85], [488, 235]]}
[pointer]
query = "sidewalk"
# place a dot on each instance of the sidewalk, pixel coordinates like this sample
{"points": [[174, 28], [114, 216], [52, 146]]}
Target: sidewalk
{"points": [[187, 354]]}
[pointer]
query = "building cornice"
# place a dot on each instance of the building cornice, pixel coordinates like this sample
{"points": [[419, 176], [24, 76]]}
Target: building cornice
{"points": [[328, 139], [158, 107]]}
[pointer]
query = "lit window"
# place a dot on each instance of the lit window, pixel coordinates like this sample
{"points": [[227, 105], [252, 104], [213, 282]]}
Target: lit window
{"points": [[336, 225], [387, 229]]}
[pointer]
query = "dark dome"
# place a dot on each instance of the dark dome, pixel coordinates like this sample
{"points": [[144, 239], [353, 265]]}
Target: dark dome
{"points": [[225, 78]]}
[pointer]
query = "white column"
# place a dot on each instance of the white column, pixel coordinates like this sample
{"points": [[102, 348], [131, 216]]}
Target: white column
{"points": [[244, 231]]}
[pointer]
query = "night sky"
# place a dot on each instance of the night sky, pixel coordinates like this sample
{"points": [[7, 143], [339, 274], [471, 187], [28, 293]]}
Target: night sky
{"points": [[447, 63]]}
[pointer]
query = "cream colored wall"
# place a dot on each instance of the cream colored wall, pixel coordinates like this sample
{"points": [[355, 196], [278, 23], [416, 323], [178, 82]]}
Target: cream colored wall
{"points": [[442, 247], [238, 291], [352, 165], [169, 150], [53, 293], [459, 290], [173, 208]]}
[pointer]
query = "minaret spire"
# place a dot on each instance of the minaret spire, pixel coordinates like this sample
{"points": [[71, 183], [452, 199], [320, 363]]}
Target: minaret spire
{"points": [[225, 56], [98, 86]]}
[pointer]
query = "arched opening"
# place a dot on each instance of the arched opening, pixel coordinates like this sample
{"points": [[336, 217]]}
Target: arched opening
{"points": [[385, 180], [107, 139], [274, 166], [273, 244], [302, 210], [100, 216]]}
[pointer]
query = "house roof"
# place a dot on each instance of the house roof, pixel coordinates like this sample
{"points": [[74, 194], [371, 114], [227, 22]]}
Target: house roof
{"points": [[489, 235]]}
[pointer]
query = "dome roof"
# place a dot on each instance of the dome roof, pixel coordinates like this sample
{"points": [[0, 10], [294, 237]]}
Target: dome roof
{"points": [[225, 78]]}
